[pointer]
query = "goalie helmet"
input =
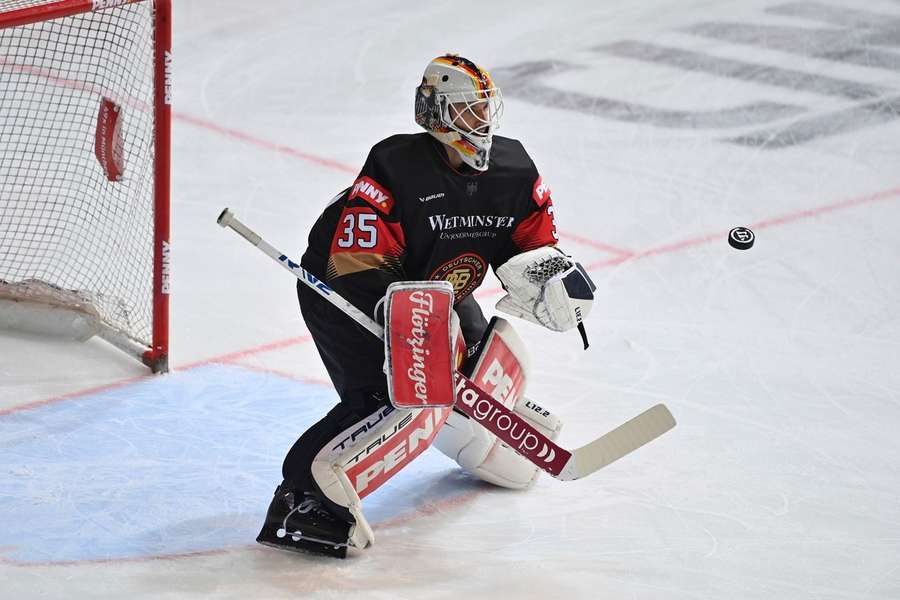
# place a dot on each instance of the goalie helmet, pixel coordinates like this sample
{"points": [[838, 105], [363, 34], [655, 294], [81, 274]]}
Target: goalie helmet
{"points": [[458, 104]]}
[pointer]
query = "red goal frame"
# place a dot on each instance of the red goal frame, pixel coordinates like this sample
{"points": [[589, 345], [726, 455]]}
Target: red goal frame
{"points": [[156, 356]]}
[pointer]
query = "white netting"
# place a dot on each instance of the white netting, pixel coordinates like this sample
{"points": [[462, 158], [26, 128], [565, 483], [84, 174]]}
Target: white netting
{"points": [[61, 220], [541, 271]]}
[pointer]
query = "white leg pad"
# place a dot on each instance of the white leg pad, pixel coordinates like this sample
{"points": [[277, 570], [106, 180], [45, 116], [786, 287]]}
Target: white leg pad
{"points": [[502, 370], [365, 455], [334, 483], [361, 535], [482, 454]]}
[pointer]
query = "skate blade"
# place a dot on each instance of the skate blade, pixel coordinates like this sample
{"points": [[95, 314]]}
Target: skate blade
{"points": [[309, 549]]}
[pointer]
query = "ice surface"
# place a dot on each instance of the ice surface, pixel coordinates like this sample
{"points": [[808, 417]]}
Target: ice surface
{"points": [[659, 126]]}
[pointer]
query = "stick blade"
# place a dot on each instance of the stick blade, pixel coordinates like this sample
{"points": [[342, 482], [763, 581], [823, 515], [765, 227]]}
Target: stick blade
{"points": [[621, 441]]}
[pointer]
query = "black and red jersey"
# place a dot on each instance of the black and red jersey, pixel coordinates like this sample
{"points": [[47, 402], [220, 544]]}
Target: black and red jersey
{"points": [[411, 216]]}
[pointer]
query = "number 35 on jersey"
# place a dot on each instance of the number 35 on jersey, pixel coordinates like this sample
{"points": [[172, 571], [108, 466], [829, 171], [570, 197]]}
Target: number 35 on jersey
{"points": [[362, 230]]}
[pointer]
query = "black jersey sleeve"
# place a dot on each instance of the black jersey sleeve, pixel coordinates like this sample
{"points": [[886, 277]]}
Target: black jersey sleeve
{"points": [[368, 244], [538, 227]]}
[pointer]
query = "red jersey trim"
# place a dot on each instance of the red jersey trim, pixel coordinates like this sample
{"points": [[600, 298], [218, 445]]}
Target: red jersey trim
{"points": [[541, 192], [537, 230]]}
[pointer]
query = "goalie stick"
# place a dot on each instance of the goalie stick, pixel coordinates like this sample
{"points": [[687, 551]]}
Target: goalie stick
{"points": [[514, 430]]}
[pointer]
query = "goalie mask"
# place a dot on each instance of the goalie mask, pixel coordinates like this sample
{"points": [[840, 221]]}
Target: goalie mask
{"points": [[458, 104]]}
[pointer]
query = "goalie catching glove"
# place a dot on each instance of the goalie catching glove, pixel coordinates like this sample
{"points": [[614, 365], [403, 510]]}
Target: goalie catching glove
{"points": [[547, 287]]}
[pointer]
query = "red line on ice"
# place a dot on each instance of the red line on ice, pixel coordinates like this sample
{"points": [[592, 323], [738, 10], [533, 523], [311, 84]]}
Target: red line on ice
{"points": [[128, 559], [233, 357], [258, 141], [229, 358], [72, 395], [720, 236], [800, 215], [339, 166], [279, 373], [584, 241], [623, 255]]}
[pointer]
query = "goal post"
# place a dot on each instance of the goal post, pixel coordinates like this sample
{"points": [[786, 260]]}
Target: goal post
{"points": [[85, 138]]}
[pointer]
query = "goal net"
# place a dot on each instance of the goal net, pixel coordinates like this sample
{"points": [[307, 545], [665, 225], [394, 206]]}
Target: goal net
{"points": [[84, 168]]}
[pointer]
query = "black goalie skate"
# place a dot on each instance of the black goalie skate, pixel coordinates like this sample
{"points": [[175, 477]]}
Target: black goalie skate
{"points": [[297, 521]]}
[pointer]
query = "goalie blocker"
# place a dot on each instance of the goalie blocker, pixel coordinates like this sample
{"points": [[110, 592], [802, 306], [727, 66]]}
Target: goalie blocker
{"points": [[421, 343]]}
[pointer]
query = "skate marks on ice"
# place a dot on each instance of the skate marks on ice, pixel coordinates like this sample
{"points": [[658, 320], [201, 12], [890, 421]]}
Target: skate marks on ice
{"points": [[178, 465], [853, 37]]}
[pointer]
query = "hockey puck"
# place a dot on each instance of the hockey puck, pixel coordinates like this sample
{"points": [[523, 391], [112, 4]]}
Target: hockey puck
{"points": [[741, 238]]}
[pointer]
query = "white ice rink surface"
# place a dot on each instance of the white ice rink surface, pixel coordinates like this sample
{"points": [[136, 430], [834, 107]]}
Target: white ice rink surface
{"points": [[659, 126]]}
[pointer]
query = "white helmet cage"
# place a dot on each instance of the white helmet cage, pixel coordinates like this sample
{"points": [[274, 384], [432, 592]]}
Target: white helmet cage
{"points": [[458, 104]]}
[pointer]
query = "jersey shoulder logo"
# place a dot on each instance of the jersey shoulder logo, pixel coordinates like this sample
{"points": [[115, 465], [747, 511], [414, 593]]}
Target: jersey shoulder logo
{"points": [[372, 192], [541, 191]]}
